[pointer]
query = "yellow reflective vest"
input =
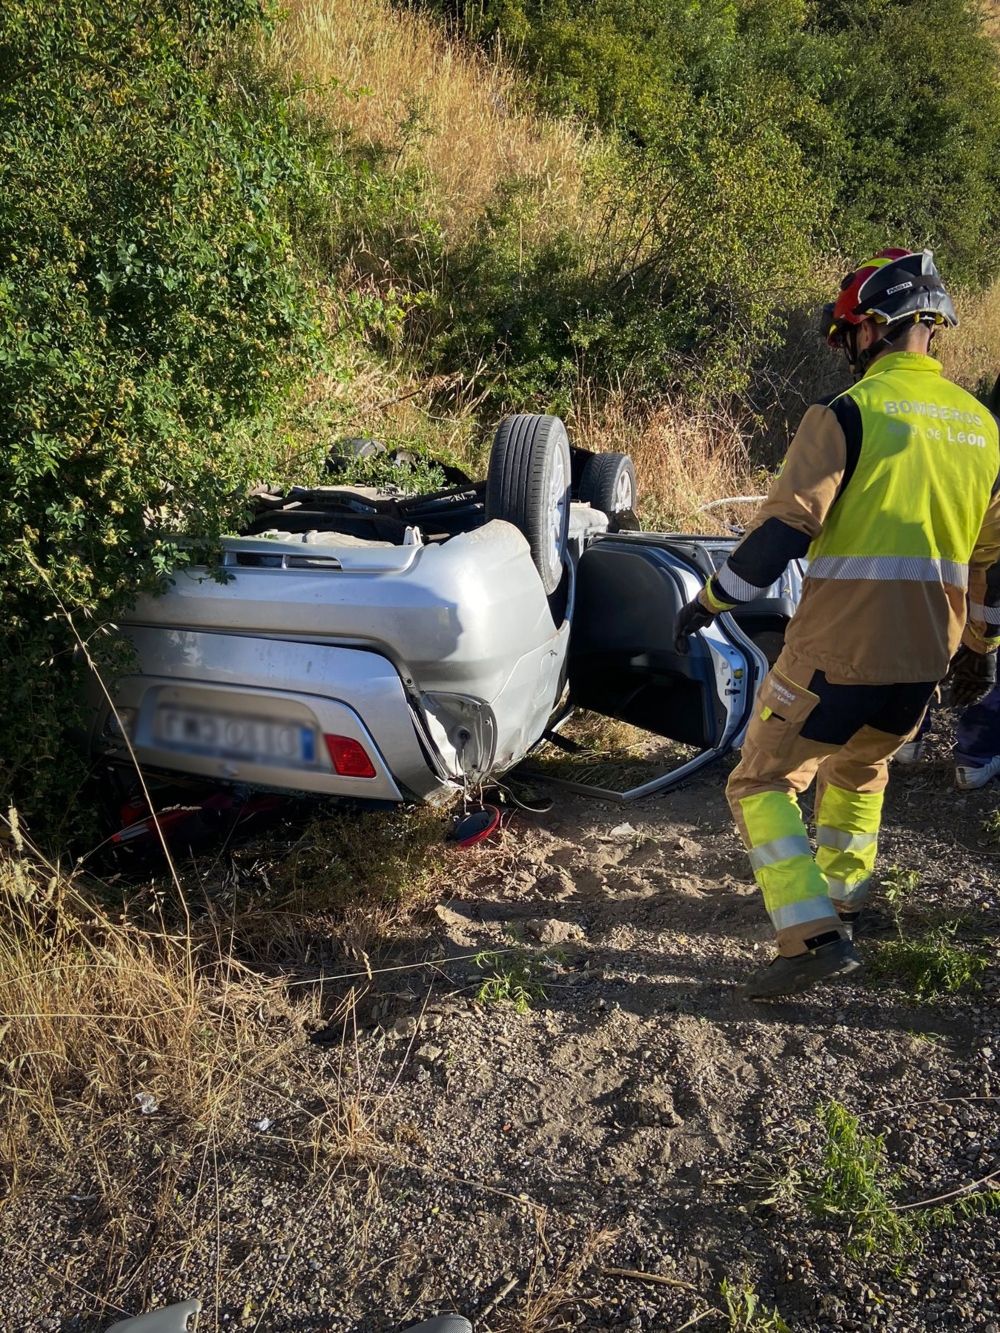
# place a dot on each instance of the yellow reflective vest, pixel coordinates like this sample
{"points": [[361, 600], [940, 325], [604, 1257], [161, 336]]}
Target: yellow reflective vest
{"points": [[892, 489]]}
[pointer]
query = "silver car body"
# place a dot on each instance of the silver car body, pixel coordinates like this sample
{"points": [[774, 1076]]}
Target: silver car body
{"points": [[436, 665], [443, 661]]}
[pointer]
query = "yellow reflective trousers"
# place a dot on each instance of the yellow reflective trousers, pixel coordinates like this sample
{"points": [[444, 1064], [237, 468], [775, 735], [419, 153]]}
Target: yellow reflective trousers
{"points": [[805, 893]]}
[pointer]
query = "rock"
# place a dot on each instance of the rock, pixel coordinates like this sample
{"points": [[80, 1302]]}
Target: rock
{"points": [[549, 930], [430, 1052]]}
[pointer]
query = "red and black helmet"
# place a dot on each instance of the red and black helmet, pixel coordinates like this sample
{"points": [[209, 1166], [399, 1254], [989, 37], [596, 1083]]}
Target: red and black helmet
{"points": [[894, 286]]}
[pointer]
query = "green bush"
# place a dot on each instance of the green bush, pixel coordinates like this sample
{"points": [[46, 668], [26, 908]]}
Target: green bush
{"points": [[150, 302], [753, 138]]}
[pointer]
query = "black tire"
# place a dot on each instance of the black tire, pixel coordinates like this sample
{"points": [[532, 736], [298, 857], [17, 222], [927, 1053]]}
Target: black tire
{"points": [[528, 485], [608, 483], [345, 452]]}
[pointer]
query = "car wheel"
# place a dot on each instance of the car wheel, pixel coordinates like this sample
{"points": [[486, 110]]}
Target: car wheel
{"points": [[528, 485], [346, 452], [608, 484]]}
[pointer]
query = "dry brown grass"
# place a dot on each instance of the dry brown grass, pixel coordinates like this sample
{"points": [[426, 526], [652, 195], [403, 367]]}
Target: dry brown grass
{"points": [[971, 353], [685, 455], [98, 1011], [393, 77]]}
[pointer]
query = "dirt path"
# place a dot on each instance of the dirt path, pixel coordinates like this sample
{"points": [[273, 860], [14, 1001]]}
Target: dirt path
{"points": [[639, 1116]]}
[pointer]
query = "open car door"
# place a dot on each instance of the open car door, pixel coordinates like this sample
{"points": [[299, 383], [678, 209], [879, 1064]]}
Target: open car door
{"points": [[623, 662]]}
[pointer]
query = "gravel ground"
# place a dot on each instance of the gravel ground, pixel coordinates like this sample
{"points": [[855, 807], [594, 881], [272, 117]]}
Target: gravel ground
{"points": [[640, 1116]]}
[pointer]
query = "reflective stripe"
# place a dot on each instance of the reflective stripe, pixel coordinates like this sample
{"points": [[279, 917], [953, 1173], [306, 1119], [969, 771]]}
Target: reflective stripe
{"points": [[989, 614], [849, 894], [889, 568], [781, 849], [844, 842], [737, 587], [714, 604], [800, 913]]}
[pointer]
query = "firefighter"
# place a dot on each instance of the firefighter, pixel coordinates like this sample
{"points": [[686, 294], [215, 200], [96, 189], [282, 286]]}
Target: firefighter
{"points": [[892, 491]]}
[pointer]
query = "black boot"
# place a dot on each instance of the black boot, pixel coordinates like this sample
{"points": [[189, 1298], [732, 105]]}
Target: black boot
{"points": [[788, 976]]}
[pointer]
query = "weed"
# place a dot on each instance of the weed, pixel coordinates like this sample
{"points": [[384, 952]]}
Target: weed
{"points": [[514, 979], [385, 857], [991, 827], [855, 1183], [928, 965], [898, 886], [744, 1311], [408, 473]]}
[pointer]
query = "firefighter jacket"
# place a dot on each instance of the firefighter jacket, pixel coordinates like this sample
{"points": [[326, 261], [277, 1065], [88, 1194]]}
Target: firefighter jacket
{"points": [[891, 490]]}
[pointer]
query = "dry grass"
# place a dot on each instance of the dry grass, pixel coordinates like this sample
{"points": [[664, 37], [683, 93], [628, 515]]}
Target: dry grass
{"points": [[551, 1299], [971, 353], [138, 1057], [99, 1011], [685, 455], [393, 77]]}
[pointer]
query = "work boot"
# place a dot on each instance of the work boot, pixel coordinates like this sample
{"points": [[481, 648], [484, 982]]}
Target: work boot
{"points": [[788, 976]]}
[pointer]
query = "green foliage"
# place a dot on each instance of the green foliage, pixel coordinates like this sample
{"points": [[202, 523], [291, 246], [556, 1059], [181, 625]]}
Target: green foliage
{"points": [[991, 827], [745, 1313], [514, 979], [899, 886], [855, 1185], [150, 303], [750, 137], [405, 471], [379, 857], [928, 965]]}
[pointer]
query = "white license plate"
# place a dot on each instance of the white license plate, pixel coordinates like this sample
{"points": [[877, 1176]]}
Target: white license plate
{"points": [[232, 736]]}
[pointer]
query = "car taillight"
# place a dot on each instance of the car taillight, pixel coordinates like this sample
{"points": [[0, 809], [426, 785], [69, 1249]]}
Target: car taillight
{"points": [[348, 757]]}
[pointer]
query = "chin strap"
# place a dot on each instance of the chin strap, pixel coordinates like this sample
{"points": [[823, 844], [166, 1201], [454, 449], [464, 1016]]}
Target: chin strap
{"points": [[860, 360]]}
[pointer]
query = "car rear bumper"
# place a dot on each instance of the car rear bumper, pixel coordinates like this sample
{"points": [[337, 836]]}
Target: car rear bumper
{"points": [[208, 704]]}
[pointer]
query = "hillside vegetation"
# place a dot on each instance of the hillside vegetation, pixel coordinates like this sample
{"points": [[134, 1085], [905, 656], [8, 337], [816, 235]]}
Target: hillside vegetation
{"points": [[230, 239]]}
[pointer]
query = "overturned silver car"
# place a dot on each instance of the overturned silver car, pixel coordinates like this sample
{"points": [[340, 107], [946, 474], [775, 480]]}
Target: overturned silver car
{"points": [[370, 645]]}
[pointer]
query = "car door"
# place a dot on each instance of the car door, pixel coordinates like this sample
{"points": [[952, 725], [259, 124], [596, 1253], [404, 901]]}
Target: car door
{"points": [[623, 661]]}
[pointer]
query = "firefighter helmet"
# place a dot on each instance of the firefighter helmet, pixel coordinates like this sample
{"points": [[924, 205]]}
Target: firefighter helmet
{"points": [[896, 287]]}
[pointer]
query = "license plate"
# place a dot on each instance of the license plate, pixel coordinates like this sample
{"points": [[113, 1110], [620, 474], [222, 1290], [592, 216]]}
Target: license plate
{"points": [[233, 736]]}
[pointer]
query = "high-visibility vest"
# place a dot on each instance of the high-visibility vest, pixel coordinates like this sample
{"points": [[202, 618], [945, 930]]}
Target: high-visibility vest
{"points": [[922, 479]]}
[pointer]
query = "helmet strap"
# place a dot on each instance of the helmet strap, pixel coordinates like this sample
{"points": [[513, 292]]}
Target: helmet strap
{"points": [[860, 360]]}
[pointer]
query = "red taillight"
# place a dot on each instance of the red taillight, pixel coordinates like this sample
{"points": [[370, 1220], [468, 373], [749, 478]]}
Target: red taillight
{"points": [[349, 758]]}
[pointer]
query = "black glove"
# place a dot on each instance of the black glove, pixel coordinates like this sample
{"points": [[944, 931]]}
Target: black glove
{"points": [[972, 675], [692, 618]]}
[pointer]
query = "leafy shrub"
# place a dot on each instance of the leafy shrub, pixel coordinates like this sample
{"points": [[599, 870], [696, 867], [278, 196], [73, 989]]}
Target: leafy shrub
{"points": [[150, 301], [752, 138]]}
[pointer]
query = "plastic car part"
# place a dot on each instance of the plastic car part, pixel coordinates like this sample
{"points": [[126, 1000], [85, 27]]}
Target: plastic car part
{"points": [[528, 485], [345, 452], [475, 826], [608, 483], [171, 1319], [623, 662]]}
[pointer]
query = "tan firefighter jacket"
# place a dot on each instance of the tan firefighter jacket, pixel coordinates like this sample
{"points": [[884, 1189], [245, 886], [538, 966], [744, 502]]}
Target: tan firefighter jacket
{"points": [[892, 491]]}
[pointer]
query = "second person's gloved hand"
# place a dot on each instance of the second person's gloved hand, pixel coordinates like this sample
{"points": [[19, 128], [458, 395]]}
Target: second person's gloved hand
{"points": [[972, 675], [693, 617]]}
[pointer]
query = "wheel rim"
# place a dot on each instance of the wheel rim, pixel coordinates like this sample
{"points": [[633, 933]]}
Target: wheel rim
{"points": [[624, 491], [557, 513]]}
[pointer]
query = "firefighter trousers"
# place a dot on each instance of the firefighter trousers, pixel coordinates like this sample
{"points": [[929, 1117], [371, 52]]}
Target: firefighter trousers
{"points": [[843, 736]]}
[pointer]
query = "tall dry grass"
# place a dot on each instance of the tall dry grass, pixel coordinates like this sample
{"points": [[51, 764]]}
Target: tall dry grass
{"points": [[970, 354], [685, 454], [393, 77]]}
